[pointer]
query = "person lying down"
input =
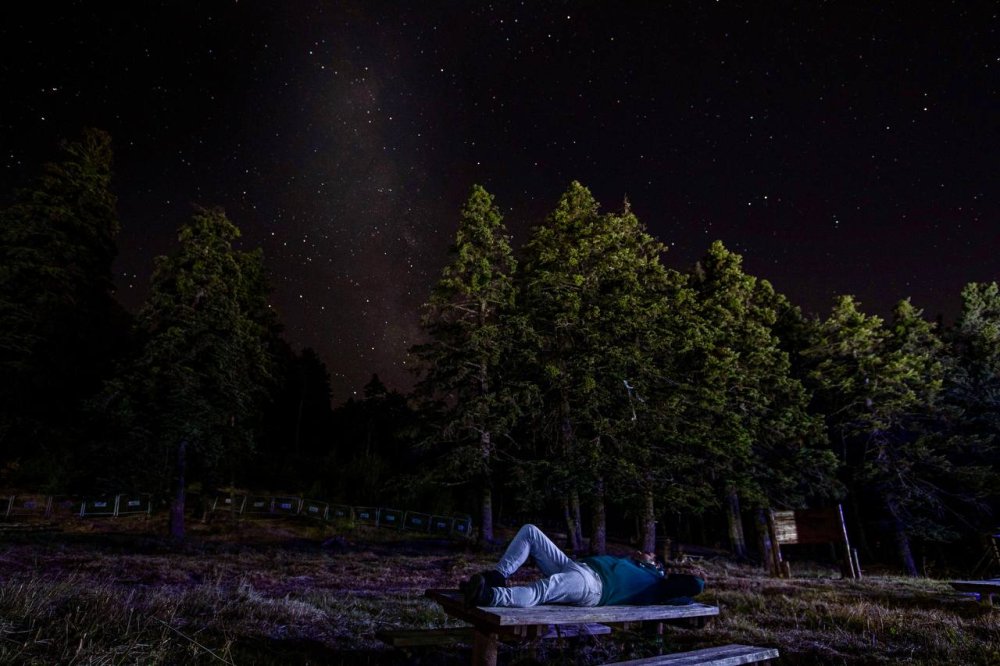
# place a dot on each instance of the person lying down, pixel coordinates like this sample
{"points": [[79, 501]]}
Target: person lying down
{"points": [[600, 580]]}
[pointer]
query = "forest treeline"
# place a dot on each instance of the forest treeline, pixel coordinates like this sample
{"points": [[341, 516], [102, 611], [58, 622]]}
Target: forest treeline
{"points": [[576, 378]]}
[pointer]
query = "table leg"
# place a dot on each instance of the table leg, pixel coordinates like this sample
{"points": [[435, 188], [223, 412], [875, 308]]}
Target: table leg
{"points": [[484, 648]]}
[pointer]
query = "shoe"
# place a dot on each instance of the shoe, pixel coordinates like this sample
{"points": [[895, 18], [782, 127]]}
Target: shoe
{"points": [[475, 592], [494, 578]]}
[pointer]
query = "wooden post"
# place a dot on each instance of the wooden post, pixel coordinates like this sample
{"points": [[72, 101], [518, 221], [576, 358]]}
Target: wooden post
{"points": [[857, 563], [848, 562]]}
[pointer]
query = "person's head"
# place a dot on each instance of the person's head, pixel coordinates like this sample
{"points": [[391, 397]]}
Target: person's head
{"points": [[683, 585]]}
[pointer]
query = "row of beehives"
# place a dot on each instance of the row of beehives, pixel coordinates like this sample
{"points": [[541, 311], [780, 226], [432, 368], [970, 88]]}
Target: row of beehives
{"points": [[52, 506], [13, 507], [264, 505]]}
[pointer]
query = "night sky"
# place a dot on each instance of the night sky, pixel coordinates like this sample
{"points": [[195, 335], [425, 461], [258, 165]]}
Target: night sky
{"points": [[839, 149]]}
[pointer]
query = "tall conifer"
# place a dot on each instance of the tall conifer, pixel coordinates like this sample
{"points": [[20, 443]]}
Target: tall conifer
{"points": [[192, 391], [592, 292], [754, 411], [61, 326], [469, 321], [880, 387]]}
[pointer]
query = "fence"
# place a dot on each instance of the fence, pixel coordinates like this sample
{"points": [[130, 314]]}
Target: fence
{"points": [[50, 507], [414, 521], [15, 507]]}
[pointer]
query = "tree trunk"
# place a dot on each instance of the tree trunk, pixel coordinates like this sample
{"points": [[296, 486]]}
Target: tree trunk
{"points": [[574, 498], [486, 450], [572, 532], [737, 540], [599, 527], [902, 541], [298, 418], [177, 508], [486, 533], [232, 499], [766, 545], [859, 536], [648, 536]]}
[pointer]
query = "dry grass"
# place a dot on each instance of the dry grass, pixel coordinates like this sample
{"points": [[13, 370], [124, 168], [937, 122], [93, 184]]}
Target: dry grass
{"points": [[879, 620], [271, 593]]}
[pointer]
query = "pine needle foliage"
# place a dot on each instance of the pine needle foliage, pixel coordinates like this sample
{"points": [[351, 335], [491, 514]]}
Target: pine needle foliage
{"points": [[466, 383]]}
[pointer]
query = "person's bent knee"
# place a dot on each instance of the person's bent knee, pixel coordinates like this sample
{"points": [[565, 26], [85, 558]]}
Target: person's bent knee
{"points": [[529, 530]]}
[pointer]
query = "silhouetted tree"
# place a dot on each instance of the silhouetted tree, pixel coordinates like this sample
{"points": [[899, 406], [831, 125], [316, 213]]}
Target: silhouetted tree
{"points": [[372, 451], [192, 391], [61, 326], [299, 437]]}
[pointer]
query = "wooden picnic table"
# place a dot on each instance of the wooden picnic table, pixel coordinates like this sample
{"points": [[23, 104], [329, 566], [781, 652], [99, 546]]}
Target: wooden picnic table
{"points": [[489, 622], [984, 588]]}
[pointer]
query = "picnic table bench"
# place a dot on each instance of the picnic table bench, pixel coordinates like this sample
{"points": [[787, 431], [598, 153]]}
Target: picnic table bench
{"points": [[984, 588], [488, 623], [724, 655]]}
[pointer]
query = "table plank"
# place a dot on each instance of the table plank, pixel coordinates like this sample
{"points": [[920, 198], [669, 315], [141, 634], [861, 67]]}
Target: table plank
{"points": [[452, 602], [448, 635]]}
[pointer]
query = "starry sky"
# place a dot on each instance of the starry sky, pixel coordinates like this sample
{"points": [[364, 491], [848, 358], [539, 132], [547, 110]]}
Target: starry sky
{"points": [[839, 147]]}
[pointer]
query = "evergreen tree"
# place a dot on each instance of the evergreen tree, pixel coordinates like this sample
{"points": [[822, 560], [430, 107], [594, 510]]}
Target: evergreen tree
{"points": [[659, 464], [297, 423], [880, 387], [372, 457], [971, 401], [61, 325], [469, 323], [192, 391], [558, 280], [592, 291], [644, 330], [974, 361], [797, 468], [758, 433]]}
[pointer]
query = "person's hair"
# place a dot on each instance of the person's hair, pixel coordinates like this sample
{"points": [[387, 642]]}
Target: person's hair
{"points": [[683, 585]]}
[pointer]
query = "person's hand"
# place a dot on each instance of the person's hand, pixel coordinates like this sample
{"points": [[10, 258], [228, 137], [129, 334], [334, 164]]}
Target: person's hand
{"points": [[647, 558]]}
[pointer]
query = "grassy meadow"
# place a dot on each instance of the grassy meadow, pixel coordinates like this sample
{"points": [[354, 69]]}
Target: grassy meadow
{"points": [[283, 593]]}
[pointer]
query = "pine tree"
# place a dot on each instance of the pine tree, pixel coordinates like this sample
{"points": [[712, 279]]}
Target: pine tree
{"points": [[593, 290], [754, 410], [974, 367], [971, 399], [471, 329], [644, 330], [61, 325], [880, 388], [192, 391]]}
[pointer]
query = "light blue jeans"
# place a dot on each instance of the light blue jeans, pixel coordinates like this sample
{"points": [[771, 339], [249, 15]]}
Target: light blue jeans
{"points": [[565, 581]]}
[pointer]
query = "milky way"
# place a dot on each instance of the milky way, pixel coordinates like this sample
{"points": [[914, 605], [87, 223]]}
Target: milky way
{"points": [[840, 150]]}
